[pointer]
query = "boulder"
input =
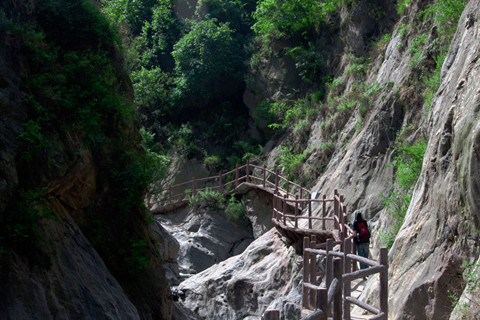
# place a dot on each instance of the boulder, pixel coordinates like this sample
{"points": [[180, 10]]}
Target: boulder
{"points": [[244, 286]]}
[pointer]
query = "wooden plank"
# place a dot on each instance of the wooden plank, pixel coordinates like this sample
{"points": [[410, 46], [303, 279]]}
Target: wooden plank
{"points": [[363, 305], [364, 260], [362, 273]]}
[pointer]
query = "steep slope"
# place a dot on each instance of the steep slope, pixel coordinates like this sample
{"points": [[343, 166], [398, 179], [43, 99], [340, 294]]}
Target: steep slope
{"points": [[74, 238], [442, 224]]}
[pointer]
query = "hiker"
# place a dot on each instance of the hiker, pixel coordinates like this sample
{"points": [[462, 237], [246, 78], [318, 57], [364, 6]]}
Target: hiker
{"points": [[362, 236]]}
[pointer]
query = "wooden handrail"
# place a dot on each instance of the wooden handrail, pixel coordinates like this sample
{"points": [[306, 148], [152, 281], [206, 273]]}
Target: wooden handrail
{"points": [[345, 276], [295, 206]]}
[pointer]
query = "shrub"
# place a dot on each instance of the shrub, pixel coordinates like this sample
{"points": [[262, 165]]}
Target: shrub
{"points": [[209, 198], [207, 59], [289, 18], [235, 209]]}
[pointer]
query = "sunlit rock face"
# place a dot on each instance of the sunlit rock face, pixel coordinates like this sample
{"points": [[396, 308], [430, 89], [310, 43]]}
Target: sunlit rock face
{"points": [[442, 223], [245, 285]]}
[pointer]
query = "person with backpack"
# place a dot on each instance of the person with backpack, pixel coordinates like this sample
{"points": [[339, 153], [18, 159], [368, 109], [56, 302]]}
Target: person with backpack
{"points": [[362, 236]]}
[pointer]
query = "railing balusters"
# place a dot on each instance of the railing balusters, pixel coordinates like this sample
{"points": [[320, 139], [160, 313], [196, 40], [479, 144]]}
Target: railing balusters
{"points": [[345, 264], [347, 284], [296, 212], [264, 175], [324, 211], [383, 260]]}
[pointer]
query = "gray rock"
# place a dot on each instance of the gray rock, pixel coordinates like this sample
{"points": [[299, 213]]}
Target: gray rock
{"points": [[205, 238], [243, 286]]}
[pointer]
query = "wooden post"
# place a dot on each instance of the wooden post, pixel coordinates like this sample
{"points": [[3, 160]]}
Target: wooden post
{"points": [[301, 197], [354, 251], [337, 300], [347, 284], [276, 179], [288, 188], [236, 175], [264, 175], [220, 184], [328, 270], [335, 210], [306, 270], [341, 221], [248, 171], [284, 209], [313, 271], [322, 298], [194, 187], [324, 211], [296, 211], [272, 314], [310, 214], [383, 260], [274, 205]]}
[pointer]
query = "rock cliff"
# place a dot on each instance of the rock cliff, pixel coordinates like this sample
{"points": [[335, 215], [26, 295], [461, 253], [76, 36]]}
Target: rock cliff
{"points": [[74, 242], [441, 226]]}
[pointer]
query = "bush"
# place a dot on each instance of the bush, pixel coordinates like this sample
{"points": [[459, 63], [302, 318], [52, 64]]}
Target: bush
{"points": [[235, 209], [207, 59], [209, 198], [277, 19]]}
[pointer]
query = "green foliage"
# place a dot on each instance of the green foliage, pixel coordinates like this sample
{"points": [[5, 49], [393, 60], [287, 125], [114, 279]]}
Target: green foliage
{"points": [[446, 14], [416, 50], [158, 36], [209, 198], [469, 309], [205, 60], [212, 162], [289, 18], [20, 224], [408, 165], [291, 162], [75, 86], [152, 93], [134, 256], [402, 6], [235, 209], [308, 62], [432, 82]]}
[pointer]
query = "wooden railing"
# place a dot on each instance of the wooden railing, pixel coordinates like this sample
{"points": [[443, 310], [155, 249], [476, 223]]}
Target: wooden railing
{"points": [[226, 182], [293, 203], [335, 296]]}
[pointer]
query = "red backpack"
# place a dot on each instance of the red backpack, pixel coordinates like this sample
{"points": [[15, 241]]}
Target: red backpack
{"points": [[363, 235]]}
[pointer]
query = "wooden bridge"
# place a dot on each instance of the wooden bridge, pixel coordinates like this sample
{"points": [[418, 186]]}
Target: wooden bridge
{"points": [[326, 294]]}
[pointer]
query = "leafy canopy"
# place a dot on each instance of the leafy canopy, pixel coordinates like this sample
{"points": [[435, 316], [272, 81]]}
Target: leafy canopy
{"points": [[286, 18], [205, 58]]}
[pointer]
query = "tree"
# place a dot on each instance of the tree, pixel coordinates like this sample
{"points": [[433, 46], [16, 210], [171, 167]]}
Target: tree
{"points": [[208, 62]]}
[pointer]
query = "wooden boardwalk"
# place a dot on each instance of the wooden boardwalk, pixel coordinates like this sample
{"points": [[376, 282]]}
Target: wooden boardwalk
{"points": [[326, 295]]}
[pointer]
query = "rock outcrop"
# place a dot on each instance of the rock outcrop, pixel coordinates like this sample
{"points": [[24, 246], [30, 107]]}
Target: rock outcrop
{"points": [[203, 239], [442, 223], [243, 286], [71, 243]]}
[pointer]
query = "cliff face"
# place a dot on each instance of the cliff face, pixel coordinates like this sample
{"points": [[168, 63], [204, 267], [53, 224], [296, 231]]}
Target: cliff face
{"points": [[74, 242], [442, 223]]}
